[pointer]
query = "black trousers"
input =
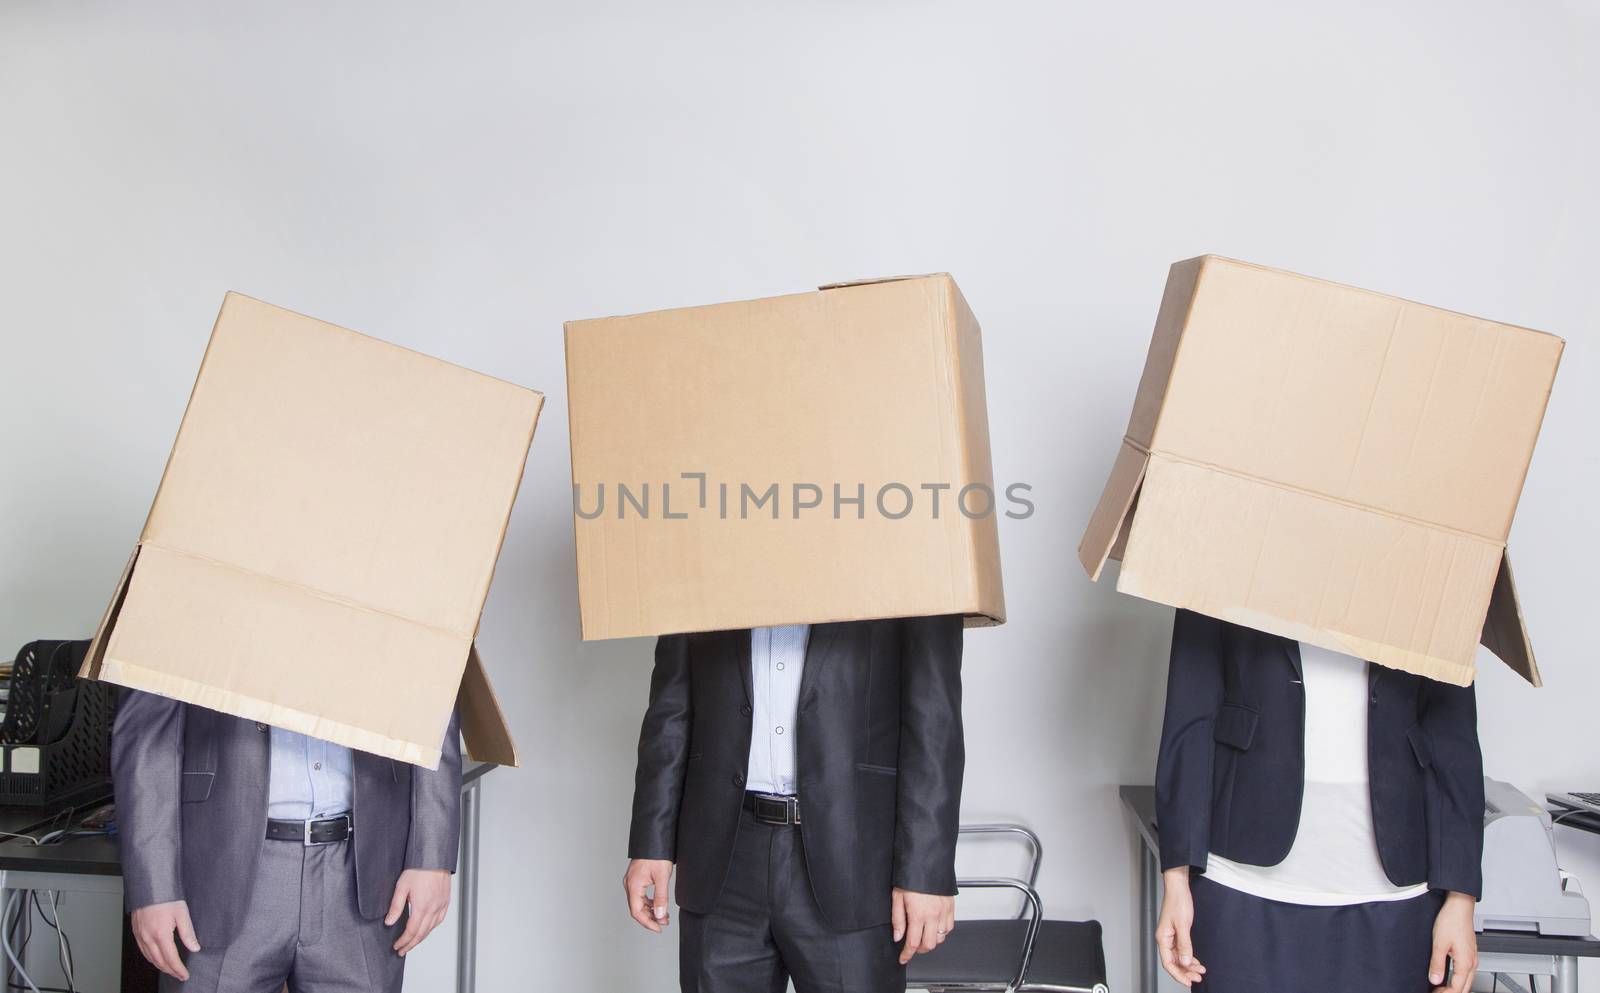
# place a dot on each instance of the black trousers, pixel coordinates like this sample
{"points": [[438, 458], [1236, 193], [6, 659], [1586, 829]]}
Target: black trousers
{"points": [[1251, 945], [767, 929]]}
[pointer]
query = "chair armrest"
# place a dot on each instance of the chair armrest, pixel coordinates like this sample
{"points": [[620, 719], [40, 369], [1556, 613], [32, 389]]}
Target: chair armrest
{"points": [[1035, 846], [1032, 908]]}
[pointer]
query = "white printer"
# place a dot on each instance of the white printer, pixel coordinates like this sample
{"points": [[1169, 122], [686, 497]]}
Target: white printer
{"points": [[1523, 887]]}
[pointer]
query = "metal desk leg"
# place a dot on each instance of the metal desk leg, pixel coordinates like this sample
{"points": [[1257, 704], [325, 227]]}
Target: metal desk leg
{"points": [[467, 884], [1566, 980], [1149, 905], [5, 922]]}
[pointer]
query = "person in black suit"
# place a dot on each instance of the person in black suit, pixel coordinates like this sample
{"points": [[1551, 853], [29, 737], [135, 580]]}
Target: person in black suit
{"points": [[1321, 819], [806, 782]]}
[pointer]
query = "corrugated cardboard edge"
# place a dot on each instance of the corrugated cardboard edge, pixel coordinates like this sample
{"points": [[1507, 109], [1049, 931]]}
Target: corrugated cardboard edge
{"points": [[1443, 670], [965, 340], [1505, 629], [584, 632], [483, 724], [93, 658], [842, 284], [250, 708]]}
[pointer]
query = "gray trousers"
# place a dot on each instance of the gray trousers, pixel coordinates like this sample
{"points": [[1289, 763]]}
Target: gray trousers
{"points": [[303, 929]]}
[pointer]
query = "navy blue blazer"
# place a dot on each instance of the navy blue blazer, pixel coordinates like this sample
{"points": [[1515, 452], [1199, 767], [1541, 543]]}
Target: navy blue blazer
{"points": [[1231, 770]]}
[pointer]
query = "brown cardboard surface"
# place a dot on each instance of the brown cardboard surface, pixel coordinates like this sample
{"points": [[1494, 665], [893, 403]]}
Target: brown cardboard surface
{"points": [[323, 538], [868, 384], [1329, 464]]}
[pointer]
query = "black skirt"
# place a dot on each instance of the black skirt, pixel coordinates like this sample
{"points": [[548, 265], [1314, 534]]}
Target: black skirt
{"points": [[1251, 945]]}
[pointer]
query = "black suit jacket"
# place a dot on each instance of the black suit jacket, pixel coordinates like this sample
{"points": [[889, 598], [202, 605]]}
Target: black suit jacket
{"points": [[191, 791], [879, 760], [1230, 774]]}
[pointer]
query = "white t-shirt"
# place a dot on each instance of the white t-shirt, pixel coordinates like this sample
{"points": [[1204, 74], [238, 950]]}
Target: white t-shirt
{"points": [[1334, 859]]}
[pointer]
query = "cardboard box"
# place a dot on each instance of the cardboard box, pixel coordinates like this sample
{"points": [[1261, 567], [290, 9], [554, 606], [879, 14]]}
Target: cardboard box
{"points": [[1328, 464], [875, 388], [323, 538]]}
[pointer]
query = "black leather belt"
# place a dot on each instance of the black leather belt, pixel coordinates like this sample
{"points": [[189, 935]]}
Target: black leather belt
{"points": [[323, 831], [770, 808]]}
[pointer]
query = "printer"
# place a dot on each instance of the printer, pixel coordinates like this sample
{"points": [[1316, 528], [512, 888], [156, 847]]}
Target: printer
{"points": [[1523, 887]]}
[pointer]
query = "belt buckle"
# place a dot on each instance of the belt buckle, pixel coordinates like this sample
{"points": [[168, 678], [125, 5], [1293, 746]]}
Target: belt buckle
{"points": [[349, 829], [778, 809]]}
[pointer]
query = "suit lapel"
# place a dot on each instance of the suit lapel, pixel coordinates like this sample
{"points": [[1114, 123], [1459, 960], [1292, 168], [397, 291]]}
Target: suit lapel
{"points": [[738, 649], [1291, 648], [819, 648]]}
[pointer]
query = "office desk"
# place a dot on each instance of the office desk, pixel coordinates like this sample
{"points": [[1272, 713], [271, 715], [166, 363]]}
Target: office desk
{"points": [[1572, 817], [1498, 951], [93, 865]]}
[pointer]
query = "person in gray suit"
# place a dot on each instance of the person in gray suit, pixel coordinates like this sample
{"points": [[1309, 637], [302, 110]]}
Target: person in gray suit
{"points": [[276, 858]]}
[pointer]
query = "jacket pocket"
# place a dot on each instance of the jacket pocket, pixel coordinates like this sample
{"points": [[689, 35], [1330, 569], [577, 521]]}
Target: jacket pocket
{"points": [[882, 770], [195, 786], [1420, 746], [1235, 726]]}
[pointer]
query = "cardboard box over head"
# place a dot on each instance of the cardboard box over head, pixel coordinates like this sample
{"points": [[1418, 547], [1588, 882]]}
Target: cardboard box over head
{"points": [[1328, 464], [808, 458], [322, 541]]}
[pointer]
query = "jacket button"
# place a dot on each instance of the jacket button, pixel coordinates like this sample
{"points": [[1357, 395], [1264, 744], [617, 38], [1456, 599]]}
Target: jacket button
{"points": [[1374, 699], [738, 779], [745, 710], [261, 727]]}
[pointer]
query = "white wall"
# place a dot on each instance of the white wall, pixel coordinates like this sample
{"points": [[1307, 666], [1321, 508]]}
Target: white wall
{"points": [[462, 178]]}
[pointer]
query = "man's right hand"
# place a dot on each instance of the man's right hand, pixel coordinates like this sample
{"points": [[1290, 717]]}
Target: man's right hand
{"points": [[1173, 926], [646, 883], [153, 927]]}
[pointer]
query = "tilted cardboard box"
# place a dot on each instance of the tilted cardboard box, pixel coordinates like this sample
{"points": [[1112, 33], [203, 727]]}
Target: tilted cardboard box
{"points": [[322, 541], [725, 449], [1328, 464]]}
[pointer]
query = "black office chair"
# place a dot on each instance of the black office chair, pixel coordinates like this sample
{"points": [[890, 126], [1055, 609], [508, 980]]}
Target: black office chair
{"points": [[1023, 954]]}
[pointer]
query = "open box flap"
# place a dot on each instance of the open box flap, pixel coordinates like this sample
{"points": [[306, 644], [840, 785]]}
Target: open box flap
{"points": [[229, 640], [483, 725], [1505, 630], [1108, 526]]}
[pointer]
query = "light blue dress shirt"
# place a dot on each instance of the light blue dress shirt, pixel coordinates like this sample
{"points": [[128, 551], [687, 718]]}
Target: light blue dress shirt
{"points": [[310, 778], [777, 658]]}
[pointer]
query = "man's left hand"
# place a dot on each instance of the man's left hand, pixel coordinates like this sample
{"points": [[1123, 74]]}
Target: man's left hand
{"points": [[427, 893], [923, 920]]}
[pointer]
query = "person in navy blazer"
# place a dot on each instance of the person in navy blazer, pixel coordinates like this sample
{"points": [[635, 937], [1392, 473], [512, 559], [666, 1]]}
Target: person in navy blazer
{"points": [[1229, 783]]}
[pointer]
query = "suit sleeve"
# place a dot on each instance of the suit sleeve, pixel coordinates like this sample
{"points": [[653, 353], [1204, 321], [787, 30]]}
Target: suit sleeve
{"points": [[1183, 765], [435, 837], [146, 770], [663, 754], [1450, 721], [932, 756]]}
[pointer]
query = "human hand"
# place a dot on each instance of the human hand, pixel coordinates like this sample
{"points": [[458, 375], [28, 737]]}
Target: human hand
{"points": [[1173, 927], [427, 893], [646, 883], [1455, 939], [922, 919], [152, 928]]}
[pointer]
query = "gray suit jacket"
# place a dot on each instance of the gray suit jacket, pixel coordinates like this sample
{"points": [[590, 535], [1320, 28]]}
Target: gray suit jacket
{"points": [[191, 792]]}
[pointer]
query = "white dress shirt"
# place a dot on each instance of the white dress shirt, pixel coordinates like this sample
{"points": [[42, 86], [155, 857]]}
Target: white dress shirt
{"points": [[310, 778], [1334, 859], [777, 658]]}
